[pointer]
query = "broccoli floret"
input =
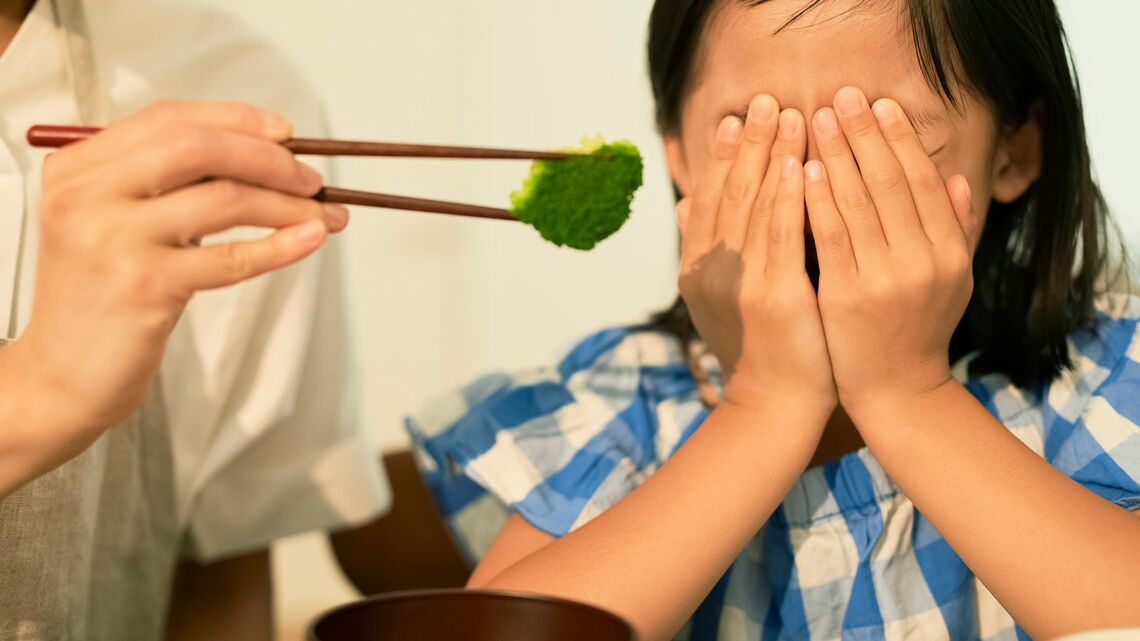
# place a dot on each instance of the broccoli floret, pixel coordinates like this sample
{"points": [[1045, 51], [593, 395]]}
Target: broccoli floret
{"points": [[579, 202]]}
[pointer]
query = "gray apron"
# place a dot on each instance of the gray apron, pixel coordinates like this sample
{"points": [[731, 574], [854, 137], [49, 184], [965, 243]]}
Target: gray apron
{"points": [[87, 552]]}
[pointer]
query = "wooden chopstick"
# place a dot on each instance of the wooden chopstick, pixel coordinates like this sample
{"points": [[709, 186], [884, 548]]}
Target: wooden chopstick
{"points": [[390, 201], [325, 147], [59, 136]]}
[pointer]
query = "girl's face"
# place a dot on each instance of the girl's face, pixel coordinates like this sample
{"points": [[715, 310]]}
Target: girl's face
{"points": [[840, 43]]}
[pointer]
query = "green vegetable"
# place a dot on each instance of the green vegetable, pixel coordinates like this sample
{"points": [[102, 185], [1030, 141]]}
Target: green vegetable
{"points": [[579, 202]]}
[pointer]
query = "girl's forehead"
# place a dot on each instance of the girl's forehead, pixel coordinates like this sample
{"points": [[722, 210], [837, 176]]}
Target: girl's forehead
{"points": [[748, 50]]}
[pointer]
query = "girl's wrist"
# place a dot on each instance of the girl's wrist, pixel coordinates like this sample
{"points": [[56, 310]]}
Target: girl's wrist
{"points": [[890, 408], [752, 393], [792, 430], [804, 413], [894, 386]]}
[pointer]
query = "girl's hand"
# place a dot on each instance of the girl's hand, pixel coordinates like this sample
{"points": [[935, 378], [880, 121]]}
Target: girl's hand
{"points": [[742, 265], [895, 245], [119, 258]]}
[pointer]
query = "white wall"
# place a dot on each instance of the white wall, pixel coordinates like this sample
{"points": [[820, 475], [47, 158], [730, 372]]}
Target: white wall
{"points": [[1103, 38], [438, 301]]}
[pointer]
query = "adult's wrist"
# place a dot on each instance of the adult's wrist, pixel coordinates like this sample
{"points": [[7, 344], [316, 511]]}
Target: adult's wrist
{"points": [[37, 399], [40, 428]]}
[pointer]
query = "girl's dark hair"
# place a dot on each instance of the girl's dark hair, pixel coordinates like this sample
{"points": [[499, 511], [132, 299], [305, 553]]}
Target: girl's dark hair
{"points": [[1040, 258]]}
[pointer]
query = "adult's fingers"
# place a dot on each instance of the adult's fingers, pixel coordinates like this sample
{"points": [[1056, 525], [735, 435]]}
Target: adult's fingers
{"points": [[156, 120], [743, 183], [221, 265], [190, 153], [214, 206], [706, 201]]}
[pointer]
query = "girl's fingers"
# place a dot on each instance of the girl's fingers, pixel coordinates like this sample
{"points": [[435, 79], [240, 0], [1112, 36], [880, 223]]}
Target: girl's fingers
{"points": [[925, 182], [188, 154], [962, 200], [829, 232], [850, 193], [701, 228], [785, 253], [883, 175], [684, 209], [791, 140], [743, 183], [214, 266], [218, 205]]}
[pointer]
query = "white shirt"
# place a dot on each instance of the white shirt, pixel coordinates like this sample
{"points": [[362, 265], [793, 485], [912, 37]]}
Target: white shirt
{"points": [[250, 432]]}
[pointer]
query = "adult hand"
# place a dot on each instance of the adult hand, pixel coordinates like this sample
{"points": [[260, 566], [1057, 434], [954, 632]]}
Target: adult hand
{"points": [[119, 256]]}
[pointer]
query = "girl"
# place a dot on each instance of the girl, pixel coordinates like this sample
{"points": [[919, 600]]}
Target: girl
{"points": [[848, 482]]}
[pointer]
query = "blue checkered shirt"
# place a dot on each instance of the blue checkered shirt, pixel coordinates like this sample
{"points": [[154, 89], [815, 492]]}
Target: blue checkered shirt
{"points": [[845, 556]]}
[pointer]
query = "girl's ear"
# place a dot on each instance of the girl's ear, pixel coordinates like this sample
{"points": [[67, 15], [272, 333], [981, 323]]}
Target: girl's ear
{"points": [[1018, 160], [678, 168]]}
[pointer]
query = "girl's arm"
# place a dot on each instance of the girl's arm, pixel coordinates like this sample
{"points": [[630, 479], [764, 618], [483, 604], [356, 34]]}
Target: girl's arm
{"points": [[1058, 557], [654, 556]]}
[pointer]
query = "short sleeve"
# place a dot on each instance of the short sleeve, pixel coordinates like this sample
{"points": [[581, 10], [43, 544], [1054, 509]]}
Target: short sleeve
{"points": [[1092, 414], [560, 445]]}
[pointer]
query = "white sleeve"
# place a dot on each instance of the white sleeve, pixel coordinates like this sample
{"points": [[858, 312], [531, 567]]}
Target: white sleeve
{"points": [[258, 380], [259, 389]]}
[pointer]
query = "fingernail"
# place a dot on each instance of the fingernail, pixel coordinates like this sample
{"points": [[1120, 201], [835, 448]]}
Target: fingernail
{"points": [[336, 216], [886, 112], [850, 101], [311, 233], [729, 131], [761, 109], [814, 171], [278, 127], [309, 176], [789, 125], [827, 123], [790, 166]]}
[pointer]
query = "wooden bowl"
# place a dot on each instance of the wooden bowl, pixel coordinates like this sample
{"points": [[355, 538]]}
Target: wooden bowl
{"points": [[468, 615]]}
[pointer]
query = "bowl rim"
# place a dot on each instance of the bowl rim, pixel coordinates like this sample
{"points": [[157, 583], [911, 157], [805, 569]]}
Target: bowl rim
{"points": [[310, 630]]}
